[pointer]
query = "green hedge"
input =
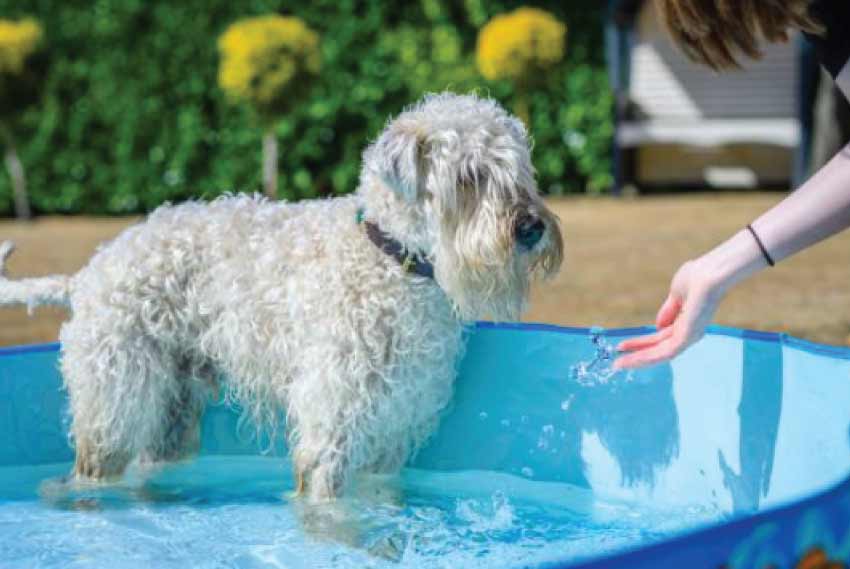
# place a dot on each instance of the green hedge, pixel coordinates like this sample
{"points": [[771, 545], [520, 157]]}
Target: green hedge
{"points": [[131, 115]]}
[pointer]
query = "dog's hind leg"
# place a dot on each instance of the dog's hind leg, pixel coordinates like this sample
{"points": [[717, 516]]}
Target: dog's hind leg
{"points": [[181, 428], [119, 387], [180, 435]]}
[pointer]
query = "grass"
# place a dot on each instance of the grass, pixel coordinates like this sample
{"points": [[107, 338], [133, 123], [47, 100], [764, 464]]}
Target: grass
{"points": [[621, 255]]}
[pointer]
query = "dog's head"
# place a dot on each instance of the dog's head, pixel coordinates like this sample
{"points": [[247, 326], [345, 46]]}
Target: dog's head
{"points": [[452, 177]]}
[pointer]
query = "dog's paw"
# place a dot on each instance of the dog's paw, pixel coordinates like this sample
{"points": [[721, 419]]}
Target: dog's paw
{"points": [[389, 546]]}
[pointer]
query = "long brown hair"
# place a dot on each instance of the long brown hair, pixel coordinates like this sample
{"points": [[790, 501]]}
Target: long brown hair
{"points": [[717, 32]]}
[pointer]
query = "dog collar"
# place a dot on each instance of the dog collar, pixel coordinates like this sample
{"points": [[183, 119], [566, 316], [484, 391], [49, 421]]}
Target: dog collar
{"points": [[410, 262]]}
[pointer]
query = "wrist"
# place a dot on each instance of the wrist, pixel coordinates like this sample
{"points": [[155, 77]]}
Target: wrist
{"points": [[731, 262]]}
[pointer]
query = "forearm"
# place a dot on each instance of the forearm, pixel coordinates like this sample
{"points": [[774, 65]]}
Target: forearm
{"points": [[817, 210]]}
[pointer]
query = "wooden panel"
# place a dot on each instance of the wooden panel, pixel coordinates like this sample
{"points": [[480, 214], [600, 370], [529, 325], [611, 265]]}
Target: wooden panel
{"points": [[674, 164]]}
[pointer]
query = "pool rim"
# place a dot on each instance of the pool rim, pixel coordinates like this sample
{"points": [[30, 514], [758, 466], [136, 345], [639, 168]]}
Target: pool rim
{"points": [[840, 352]]}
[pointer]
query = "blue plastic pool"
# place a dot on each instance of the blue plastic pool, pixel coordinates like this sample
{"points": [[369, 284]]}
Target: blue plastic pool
{"points": [[736, 454]]}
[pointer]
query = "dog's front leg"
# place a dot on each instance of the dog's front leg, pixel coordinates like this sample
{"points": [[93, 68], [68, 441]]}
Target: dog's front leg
{"points": [[320, 480], [326, 409], [320, 475]]}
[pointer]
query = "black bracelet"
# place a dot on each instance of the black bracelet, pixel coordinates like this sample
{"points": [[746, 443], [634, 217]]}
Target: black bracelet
{"points": [[764, 252]]}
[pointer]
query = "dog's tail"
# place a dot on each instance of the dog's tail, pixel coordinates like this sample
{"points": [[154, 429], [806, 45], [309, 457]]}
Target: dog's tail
{"points": [[53, 290]]}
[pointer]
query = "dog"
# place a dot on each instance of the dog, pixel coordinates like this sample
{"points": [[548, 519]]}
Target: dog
{"points": [[344, 315]]}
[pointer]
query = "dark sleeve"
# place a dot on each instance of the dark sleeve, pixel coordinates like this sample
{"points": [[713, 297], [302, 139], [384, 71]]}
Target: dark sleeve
{"points": [[624, 12], [833, 49]]}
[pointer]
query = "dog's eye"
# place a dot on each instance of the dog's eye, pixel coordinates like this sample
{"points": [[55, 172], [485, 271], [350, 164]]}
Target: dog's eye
{"points": [[529, 231]]}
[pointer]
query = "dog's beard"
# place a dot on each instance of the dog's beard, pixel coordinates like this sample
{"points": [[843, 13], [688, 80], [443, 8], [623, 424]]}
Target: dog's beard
{"points": [[483, 271], [479, 291]]}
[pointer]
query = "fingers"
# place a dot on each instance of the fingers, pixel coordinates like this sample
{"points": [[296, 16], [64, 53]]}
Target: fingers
{"points": [[666, 343], [661, 352], [681, 321], [652, 348], [642, 342], [669, 311], [663, 345]]}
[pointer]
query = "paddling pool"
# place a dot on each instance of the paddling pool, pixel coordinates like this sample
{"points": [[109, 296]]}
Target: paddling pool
{"points": [[736, 454]]}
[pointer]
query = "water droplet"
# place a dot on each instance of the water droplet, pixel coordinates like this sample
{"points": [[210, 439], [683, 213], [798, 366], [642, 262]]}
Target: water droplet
{"points": [[482, 415], [527, 472], [598, 370], [545, 434]]}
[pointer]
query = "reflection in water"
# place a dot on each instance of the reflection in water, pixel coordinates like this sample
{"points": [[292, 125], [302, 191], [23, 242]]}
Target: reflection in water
{"points": [[633, 413], [636, 421], [759, 410]]}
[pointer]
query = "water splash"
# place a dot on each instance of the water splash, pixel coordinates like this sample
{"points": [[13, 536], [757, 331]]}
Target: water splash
{"points": [[497, 515], [229, 511], [599, 370]]}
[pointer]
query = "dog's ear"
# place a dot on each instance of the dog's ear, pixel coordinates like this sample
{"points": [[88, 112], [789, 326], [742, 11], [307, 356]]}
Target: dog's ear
{"points": [[396, 158]]}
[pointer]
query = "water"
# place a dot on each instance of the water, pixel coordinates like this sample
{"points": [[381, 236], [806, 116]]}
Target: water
{"points": [[221, 511], [599, 369]]}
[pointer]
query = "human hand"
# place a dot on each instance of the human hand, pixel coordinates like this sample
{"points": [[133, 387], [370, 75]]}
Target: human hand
{"points": [[690, 306]]}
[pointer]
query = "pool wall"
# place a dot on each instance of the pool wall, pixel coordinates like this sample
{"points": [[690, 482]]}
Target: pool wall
{"points": [[752, 424]]}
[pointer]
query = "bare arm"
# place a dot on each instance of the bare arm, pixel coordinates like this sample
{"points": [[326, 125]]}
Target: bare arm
{"points": [[817, 210]]}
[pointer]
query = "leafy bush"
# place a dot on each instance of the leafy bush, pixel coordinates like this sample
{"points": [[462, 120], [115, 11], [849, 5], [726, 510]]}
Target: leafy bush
{"points": [[268, 63], [18, 42], [520, 45], [265, 59], [22, 69], [131, 115]]}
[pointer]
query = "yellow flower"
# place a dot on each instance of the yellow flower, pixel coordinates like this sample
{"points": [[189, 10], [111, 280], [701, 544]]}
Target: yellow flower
{"points": [[519, 44], [18, 40], [264, 59]]}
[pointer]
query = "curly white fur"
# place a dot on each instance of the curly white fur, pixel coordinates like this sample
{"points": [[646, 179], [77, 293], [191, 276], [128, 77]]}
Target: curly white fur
{"points": [[294, 311], [32, 292]]}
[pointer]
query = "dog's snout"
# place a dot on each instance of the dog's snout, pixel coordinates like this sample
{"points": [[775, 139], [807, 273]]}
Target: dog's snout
{"points": [[529, 232]]}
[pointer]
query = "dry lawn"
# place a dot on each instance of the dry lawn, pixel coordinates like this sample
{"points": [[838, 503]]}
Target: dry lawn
{"points": [[621, 255]]}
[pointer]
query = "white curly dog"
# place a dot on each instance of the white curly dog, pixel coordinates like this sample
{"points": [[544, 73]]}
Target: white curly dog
{"points": [[344, 315]]}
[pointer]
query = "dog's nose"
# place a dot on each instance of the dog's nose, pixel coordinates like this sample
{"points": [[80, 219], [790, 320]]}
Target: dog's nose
{"points": [[529, 232]]}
